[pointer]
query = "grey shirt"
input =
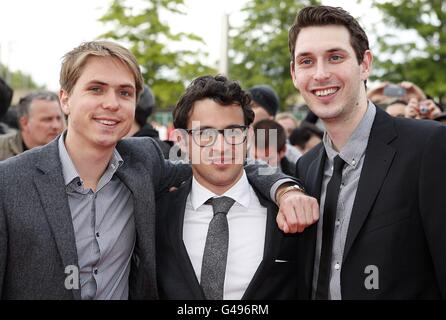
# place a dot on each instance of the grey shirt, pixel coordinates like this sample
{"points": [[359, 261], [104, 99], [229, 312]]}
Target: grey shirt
{"points": [[104, 229], [353, 153]]}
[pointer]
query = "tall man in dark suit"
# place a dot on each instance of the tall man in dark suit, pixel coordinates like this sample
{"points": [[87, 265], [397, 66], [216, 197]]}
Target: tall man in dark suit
{"points": [[77, 216], [380, 180], [257, 260]]}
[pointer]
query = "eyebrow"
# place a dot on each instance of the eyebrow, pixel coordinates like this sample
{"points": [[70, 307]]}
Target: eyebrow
{"points": [[125, 85], [304, 54], [231, 126]]}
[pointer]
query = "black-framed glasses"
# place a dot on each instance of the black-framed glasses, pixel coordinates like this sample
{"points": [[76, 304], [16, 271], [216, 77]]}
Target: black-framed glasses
{"points": [[206, 137]]}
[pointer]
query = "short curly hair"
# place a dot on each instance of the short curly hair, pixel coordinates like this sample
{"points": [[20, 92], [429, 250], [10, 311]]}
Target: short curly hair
{"points": [[220, 89]]}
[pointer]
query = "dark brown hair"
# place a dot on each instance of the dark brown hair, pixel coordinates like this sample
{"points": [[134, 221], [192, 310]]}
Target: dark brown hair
{"points": [[268, 126], [220, 89], [326, 15]]}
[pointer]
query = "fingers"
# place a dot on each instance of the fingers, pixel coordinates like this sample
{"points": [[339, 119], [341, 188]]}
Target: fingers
{"points": [[297, 212], [281, 222]]}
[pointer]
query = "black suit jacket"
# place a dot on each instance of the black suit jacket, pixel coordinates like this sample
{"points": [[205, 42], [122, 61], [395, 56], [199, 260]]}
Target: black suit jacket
{"points": [[176, 276], [398, 221]]}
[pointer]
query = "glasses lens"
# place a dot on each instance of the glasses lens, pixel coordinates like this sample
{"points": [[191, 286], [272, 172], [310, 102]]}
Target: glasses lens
{"points": [[205, 137], [235, 135]]}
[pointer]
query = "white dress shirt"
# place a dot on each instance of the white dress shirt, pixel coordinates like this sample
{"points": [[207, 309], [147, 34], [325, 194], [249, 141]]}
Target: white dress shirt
{"points": [[247, 228]]}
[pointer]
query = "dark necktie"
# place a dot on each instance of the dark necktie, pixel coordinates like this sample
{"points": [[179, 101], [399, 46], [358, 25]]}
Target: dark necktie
{"points": [[215, 255], [329, 217]]}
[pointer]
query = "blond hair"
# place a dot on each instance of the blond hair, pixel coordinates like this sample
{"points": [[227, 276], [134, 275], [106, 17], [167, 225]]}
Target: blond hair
{"points": [[74, 61]]}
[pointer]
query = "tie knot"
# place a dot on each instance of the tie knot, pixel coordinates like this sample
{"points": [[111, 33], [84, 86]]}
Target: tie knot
{"points": [[338, 164], [221, 204]]}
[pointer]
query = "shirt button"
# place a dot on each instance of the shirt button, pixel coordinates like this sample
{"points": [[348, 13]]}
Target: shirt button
{"points": [[97, 234], [353, 162], [338, 223], [337, 266], [79, 183], [95, 271]]}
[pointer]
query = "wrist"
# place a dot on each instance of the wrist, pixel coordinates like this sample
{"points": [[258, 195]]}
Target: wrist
{"points": [[281, 192]]}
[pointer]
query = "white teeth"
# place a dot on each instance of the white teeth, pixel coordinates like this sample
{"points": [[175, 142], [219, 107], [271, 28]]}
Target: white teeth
{"points": [[107, 122], [326, 92]]}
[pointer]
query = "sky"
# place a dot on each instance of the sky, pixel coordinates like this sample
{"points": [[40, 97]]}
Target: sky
{"points": [[34, 35]]}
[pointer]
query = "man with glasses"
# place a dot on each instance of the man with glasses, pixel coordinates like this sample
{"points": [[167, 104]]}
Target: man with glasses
{"points": [[216, 235]]}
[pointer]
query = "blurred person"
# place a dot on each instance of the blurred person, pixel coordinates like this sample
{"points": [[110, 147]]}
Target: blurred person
{"points": [[11, 119], [40, 121], [397, 108], [288, 121], [424, 109], [6, 94], [85, 228], [379, 179], [265, 104], [386, 92], [141, 127], [270, 145], [306, 137], [225, 253]]}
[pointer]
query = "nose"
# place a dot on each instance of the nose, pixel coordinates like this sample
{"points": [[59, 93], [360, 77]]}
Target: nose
{"points": [[111, 101], [322, 72], [220, 143], [57, 124]]}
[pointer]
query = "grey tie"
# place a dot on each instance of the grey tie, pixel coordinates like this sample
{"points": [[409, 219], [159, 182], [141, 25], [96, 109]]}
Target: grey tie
{"points": [[215, 255]]}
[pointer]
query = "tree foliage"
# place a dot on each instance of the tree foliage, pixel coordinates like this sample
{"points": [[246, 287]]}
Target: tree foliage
{"points": [[17, 79], [142, 30], [414, 47], [259, 49]]}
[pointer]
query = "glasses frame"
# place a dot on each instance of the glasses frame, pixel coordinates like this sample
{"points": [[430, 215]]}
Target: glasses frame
{"points": [[220, 131]]}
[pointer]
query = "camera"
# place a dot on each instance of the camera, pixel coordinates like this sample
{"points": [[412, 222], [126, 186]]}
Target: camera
{"points": [[393, 90], [424, 109]]}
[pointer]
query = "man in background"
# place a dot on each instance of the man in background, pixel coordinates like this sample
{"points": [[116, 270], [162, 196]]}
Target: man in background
{"points": [[40, 121]]}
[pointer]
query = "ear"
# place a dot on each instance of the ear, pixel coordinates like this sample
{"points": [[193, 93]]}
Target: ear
{"points": [[180, 137], [23, 122], [366, 65], [282, 152], [63, 97], [293, 73]]}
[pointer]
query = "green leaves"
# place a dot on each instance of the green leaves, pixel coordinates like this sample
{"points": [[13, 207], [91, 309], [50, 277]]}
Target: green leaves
{"points": [[150, 38], [259, 48], [423, 56]]}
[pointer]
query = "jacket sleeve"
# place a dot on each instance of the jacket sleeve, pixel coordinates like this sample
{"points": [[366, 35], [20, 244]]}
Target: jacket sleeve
{"points": [[432, 200], [3, 242], [266, 179], [169, 174]]}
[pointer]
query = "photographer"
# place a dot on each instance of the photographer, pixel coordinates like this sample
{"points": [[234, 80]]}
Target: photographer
{"points": [[404, 100], [424, 109]]}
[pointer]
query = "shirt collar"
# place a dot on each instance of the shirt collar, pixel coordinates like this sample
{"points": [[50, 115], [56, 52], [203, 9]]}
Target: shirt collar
{"points": [[356, 145], [69, 170], [239, 192]]}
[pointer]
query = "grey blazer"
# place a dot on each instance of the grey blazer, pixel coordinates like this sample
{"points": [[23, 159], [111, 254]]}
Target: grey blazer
{"points": [[37, 238]]}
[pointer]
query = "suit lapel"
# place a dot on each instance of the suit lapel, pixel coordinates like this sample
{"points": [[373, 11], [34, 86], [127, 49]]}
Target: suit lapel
{"points": [[50, 185], [378, 158], [175, 213], [313, 181]]}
